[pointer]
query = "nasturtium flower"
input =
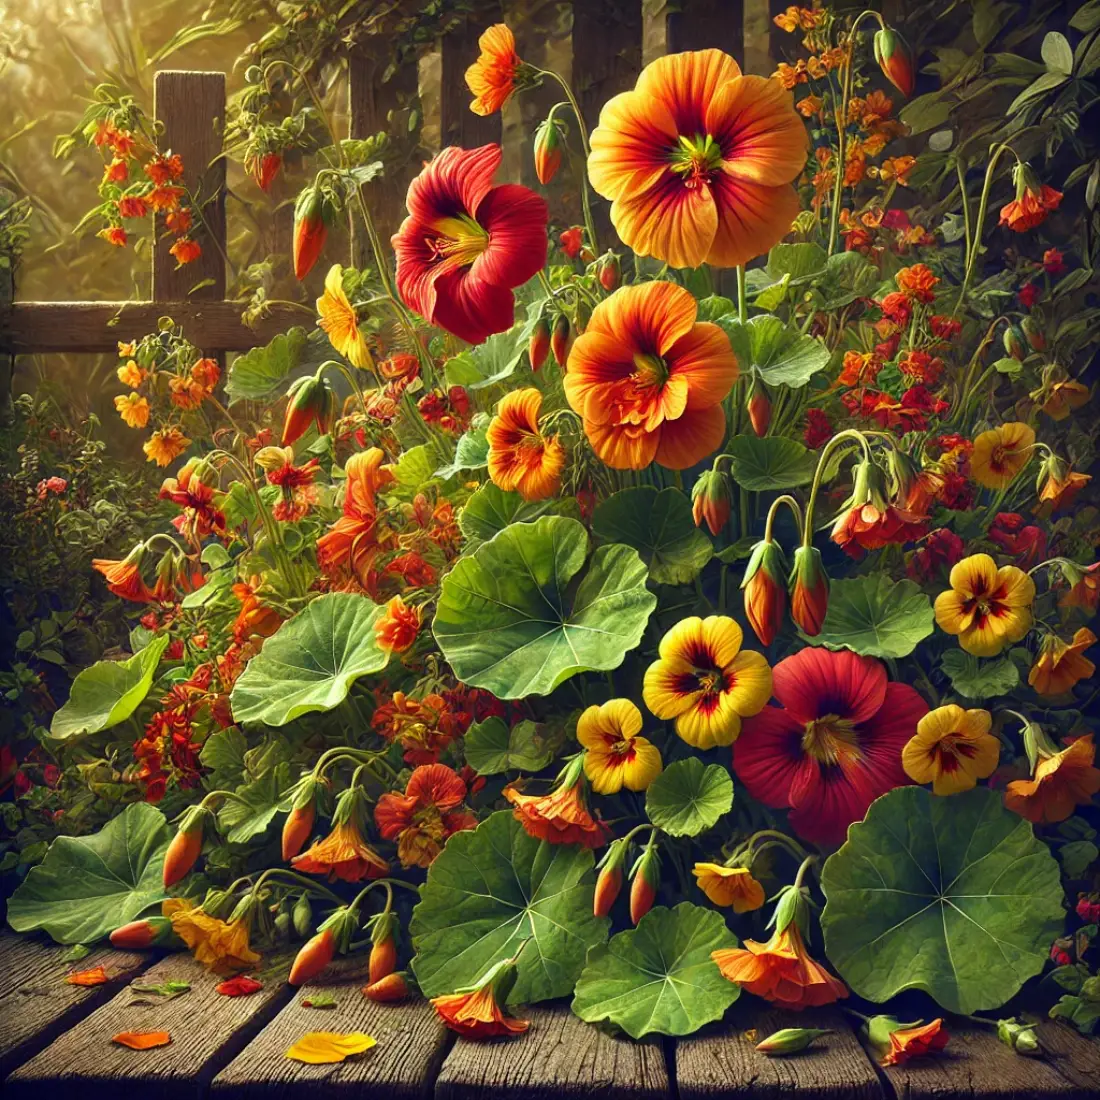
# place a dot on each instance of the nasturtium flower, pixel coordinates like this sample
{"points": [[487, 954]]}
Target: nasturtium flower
{"points": [[562, 816], [466, 243], [1033, 202], [704, 680], [478, 1013], [895, 1043], [133, 408], [729, 886], [952, 749], [1059, 485], [521, 458], [1001, 453], [124, 577], [492, 77], [396, 630], [649, 380], [1060, 664], [339, 319], [165, 445], [698, 161], [834, 743], [219, 945], [1061, 781], [988, 608], [344, 854], [424, 817], [617, 756]]}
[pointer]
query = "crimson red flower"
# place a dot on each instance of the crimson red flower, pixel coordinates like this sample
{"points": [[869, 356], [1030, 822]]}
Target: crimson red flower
{"points": [[1053, 262], [818, 430], [834, 743], [943, 327], [1025, 542], [940, 548], [897, 307], [1029, 294], [424, 817], [571, 240], [466, 243]]}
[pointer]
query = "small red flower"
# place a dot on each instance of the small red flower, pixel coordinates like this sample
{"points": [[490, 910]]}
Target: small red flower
{"points": [[571, 240], [1053, 262], [424, 817], [1029, 294], [818, 430]]}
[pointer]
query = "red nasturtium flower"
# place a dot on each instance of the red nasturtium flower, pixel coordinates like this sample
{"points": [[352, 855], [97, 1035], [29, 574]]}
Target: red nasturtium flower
{"points": [[649, 380], [424, 817], [492, 77], [560, 817], [698, 161], [521, 458], [466, 243], [1033, 202], [834, 743]]}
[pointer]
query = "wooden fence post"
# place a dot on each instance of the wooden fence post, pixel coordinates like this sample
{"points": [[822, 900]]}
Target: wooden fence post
{"points": [[458, 124], [706, 24]]}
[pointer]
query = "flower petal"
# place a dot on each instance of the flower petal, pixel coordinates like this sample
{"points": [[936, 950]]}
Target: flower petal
{"points": [[818, 681], [750, 218], [704, 359], [767, 755], [670, 221], [685, 83], [318, 1048], [630, 145], [516, 220], [691, 437], [752, 683]]}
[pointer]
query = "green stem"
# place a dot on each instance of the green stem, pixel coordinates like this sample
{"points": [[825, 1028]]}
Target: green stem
{"points": [[742, 302], [791, 503], [589, 224], [848, 433], [979, 226], [841, 138]]}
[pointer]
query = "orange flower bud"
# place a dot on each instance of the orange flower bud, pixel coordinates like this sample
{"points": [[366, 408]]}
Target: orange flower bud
{"points": [[560, 339], [539, 346], [711, 500], [313, 957], [264, 169], [809, 587], [393, 987], [297, 829], [310, 231], [643, 888], [759, 408], [1014, 343], [140, 934], [610, 273], [895, 60], [312, 400], [547, 150], [765, 593], [186, 846], [383, 952], [610, 879]]}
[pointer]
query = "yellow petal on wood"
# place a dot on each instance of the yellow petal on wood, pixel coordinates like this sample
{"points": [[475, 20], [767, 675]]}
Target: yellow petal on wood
{"points": [[323, 1047]]}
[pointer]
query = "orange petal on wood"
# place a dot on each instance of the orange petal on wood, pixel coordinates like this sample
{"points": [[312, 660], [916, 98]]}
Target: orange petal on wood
{"points": [[240, 986], [97, 975], [142, 1040]]}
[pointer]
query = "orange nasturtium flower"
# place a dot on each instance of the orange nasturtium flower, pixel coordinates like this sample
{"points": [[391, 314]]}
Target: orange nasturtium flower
{"points": [[124, 577], [729, 886], [219, 945], [704, 680], [1060, 783], [649, 380], [521, 458], [338, 318], [133, 408], [560, 817], [698, 161], [165, 445], [1033, 202], [952, 749], [1061, 664], [343, 854], [477, 1012], [1001, 453], [396, 630], [895, 1043], [988, 608], [617, 757], [186, 250], [492, 77]]}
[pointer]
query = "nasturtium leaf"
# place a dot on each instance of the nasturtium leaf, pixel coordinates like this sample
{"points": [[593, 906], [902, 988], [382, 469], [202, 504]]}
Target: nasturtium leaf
{"points": [[471, 453], [953, 895], [253, 807], [88, 886], [977, 679], [491, 889], [258, 373], [223, 753], [513, 619], [780, 355], [847, 276], [799, 261], [311, 661], [688, 797], [491, 747], [491, 509], [773, 462], [108, 692], [413, 470], [876, 617], [659, 525], [659, 978]]}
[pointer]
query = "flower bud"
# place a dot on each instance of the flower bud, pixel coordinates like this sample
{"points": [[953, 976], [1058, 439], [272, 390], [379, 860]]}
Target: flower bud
{"points": [[610, 879], [393, 987], [560, 339], [1033, 331], [759, 408], [711, 500], [809, 590], [1014, 342], [895, 60], [765, 590], [264, 168], [539, 346], [310, 230], [301, 916], [548, 147], [646, 878], [610, 272], [313, 957], [383, 952], [186, 845], [312, 400], [1020, 1036], [139, 934], [299, 822], [789, 1040]]}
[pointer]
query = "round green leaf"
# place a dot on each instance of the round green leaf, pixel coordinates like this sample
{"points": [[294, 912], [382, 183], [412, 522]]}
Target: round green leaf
{"points": [[491, 747], [689, 797], [780, 355], [256, 375], [659, 977], [491, 889], [978, 679], [512, 618], [876, 617], [952, 895], [311, 661], [491, 509], [253, 808], [108, 692], [88, 886], [659, 525], [773, 462]]}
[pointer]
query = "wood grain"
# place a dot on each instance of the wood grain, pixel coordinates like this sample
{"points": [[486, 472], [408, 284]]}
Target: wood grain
{"points": [[458, 124], [191, 108], [37, 1004], [1073, 1055], [207, 1029], [722, 1059], [98, 326], [706, 24], [560, 1056], [607, 52], [411, 1045]]}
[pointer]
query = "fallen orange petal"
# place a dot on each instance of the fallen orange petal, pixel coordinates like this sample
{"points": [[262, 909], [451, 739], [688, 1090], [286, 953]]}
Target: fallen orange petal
{"points": [[97, 975], [142, 1040]]}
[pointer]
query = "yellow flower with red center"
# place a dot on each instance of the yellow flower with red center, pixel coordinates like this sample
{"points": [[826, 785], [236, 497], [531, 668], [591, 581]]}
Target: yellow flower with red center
{"points": [[396, 630], [133, 408], [698, 161], [706, 682], [649, 380], [952, 749], [1060, 664], [729, 886], [1061, 782], [988, 608], [339, 320], [165, 445], [521, 458], [617, 757], [1001, 453], [492, 77], [219, 945]]}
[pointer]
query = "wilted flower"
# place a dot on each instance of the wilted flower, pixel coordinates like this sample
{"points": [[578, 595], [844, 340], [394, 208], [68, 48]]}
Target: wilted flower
{"points": [[560, 817], [477, 1012], [1060, 665], [734, 887]]}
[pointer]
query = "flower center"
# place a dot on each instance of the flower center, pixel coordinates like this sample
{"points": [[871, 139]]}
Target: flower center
{"points": [[831, 740], [461, 240], [696, 159], [650, 370]]}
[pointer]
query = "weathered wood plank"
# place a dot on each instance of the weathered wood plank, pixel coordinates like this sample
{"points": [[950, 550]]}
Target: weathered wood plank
{"points": [[707, 24], [976, 1064], [191, 108], [98, 326], [607, 52], [411, 1046], [721, 1059], [207, 1029], [559, 1055], [458, 124], [1075, 1056], [37, 1004]]}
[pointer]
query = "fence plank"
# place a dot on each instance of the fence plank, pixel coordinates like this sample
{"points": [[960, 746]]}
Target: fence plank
{"points": [[98, 326], [722, 1059], [703, 24], [559, 1055], [607, 51], [191, 108], [37, 1004], [207, 1029], [458, 124], [1074, 1056]]}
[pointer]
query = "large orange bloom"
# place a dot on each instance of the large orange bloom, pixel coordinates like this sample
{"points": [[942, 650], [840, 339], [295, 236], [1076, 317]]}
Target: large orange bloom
{"points": [[521, 458], [560, 817], [492, 77], [344, 855], [698, 161], [1061, 783], [649, 380]]}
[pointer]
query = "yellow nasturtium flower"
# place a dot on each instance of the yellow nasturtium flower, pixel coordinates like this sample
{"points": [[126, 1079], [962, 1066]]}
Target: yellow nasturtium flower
{"points": [[338, 318], [617, 757], [1001, 453], [952, 749], [732, 886], [1061, 664], [988, 608]]}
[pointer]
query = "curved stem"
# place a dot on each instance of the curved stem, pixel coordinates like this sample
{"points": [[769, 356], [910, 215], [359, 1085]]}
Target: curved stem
{"points": [[791, 503], [298, 880], [979, 225], [827, 450], [841, 139]]}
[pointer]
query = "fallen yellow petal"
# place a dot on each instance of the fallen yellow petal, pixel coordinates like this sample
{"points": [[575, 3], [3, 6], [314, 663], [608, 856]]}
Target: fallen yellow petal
{"points": [[322, 1047]]}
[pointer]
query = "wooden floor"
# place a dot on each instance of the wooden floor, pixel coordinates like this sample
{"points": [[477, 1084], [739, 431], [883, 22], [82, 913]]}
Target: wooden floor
{"points": [[55, 1044]]}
